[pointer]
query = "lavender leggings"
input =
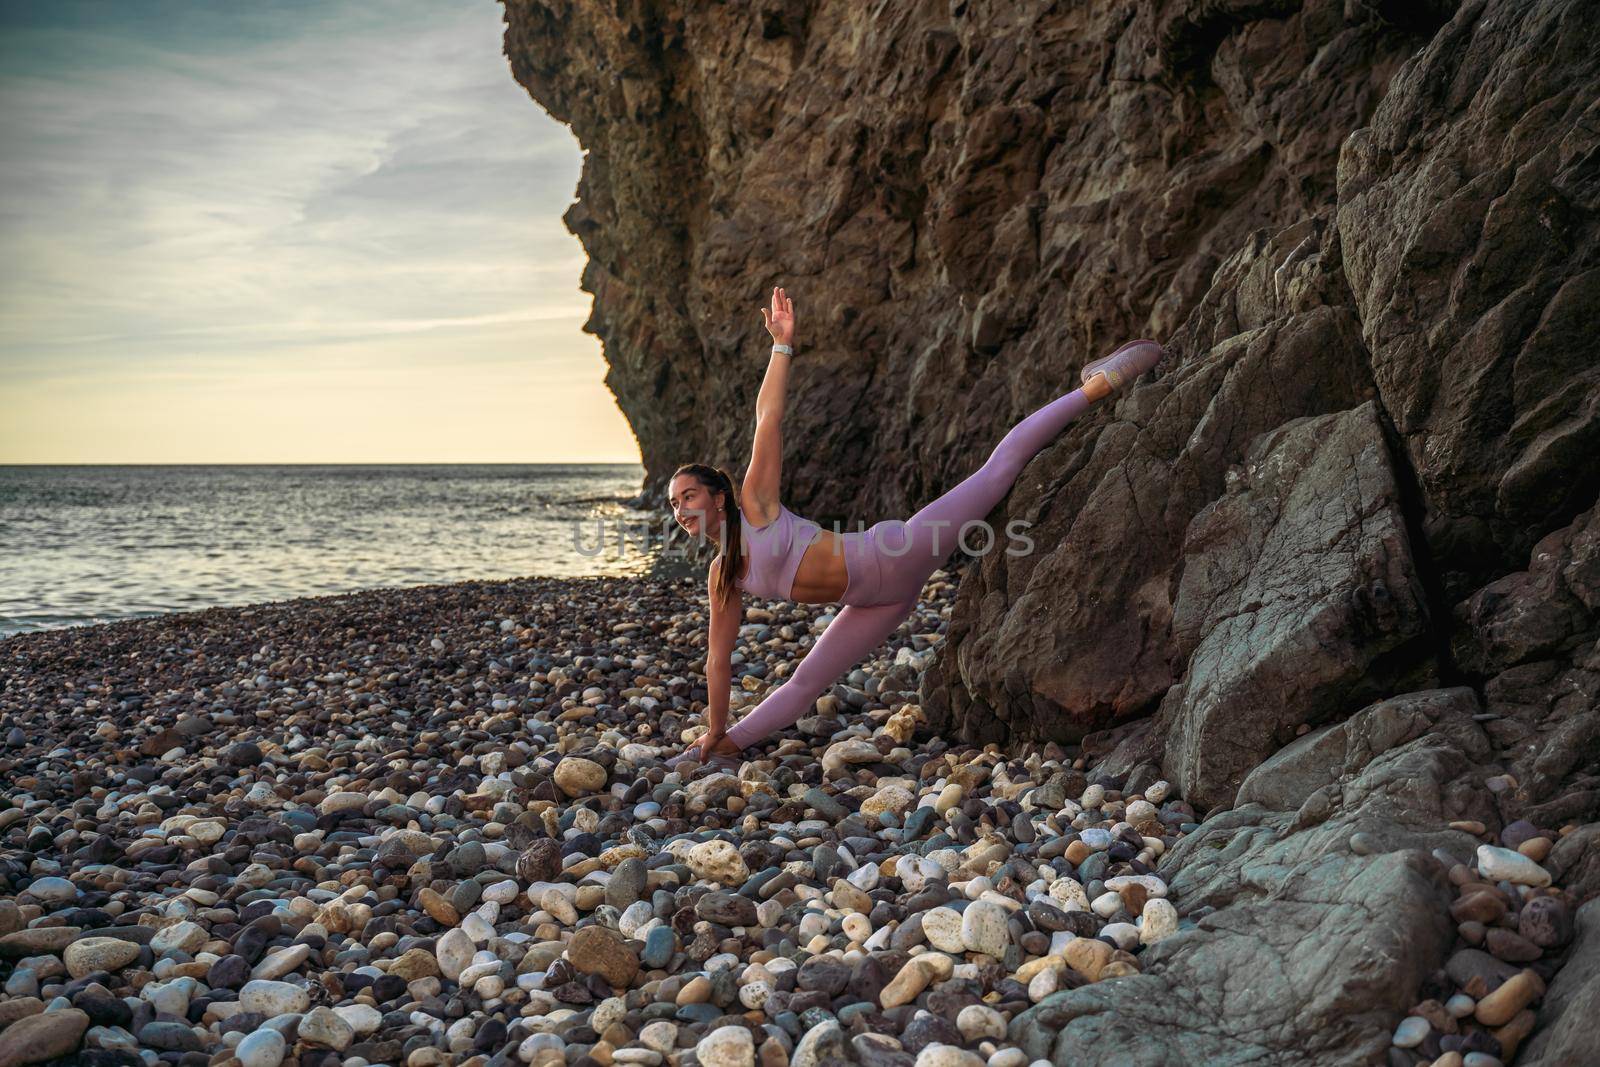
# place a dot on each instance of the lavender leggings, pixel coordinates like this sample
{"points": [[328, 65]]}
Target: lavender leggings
{"points": [[889, 562]]}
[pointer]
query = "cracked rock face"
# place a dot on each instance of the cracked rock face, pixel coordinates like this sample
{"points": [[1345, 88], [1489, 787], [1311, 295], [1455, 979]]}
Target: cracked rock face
{"points": [[968, 203], [1468, 209], [1535, 634]]}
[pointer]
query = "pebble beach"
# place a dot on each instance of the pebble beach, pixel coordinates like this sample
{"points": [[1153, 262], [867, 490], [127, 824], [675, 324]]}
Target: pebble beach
{"points": [[432, 826]]}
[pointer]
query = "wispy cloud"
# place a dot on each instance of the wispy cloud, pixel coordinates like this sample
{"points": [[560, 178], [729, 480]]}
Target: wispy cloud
{"points": [[243, 183]]}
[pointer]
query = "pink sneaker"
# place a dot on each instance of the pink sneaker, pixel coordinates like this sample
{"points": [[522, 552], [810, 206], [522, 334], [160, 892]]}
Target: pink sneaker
{"points": [[1126, 363]]}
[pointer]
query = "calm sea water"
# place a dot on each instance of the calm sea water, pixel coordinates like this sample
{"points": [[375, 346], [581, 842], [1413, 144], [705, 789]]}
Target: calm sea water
{"points": [[88, 544]]}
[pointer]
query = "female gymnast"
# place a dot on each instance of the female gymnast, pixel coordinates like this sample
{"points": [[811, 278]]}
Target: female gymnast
{"points": [[876, 573]]}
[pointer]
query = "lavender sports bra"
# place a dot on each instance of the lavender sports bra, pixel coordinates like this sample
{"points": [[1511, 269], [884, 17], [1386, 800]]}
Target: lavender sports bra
{"points": [[775, 551]]}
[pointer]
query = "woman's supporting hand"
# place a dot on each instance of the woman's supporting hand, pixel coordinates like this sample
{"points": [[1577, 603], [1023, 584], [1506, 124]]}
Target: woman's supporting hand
{"points": [[780, 318], [713, 743], [706, 742]]}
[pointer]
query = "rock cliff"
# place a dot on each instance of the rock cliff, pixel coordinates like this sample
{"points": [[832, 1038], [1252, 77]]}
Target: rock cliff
{"points": [[1357, 507]]}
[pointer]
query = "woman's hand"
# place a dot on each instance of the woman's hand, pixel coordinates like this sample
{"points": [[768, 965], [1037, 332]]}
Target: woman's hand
{"points": [[780, 318], [713, 743], [706, 742]]}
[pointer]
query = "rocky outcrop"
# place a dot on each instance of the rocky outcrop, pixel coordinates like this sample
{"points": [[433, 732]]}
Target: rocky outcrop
{"points": [[1318, 914], [1468, 213], [1080, 633], [1518, 388]]}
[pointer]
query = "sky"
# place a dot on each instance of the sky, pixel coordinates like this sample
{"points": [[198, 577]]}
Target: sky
{"points": [[276, 232]]}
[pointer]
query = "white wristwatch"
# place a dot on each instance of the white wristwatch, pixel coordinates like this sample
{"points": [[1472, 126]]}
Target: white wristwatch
{"points": [[785, 349]]}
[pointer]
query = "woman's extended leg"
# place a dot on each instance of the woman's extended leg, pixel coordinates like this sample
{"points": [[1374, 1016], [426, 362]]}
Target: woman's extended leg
{"points": [[853, 633], [917, 548], [911, 551]]}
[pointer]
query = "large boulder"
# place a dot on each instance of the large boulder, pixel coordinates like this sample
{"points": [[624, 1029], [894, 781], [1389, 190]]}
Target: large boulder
{"points": [[1549, 611], [1296, 771], [1298, 602]]}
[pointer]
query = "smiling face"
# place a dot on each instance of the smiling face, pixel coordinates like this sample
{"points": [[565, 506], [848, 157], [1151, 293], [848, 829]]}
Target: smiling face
{"points": [[695, 507]]}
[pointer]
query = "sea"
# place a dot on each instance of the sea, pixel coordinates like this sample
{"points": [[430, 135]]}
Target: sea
{"points": [[88, 544]]}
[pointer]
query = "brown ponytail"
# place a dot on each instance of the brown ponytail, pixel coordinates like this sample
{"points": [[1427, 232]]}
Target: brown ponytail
{"points": [[720, 485]]}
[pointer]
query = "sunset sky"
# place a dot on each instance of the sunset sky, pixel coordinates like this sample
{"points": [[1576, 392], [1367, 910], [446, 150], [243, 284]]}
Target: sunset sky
{"points": [[287, 232]]}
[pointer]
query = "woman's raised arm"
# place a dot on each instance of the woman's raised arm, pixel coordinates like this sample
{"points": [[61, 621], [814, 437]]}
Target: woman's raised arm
{"points": [[760, 492]]}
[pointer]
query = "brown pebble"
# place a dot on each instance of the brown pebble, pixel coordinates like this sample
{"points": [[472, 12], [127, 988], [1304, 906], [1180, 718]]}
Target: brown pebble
{"points": [[1511, 946], [1536, 849], [1088, 956], [1133, 897], [17, 1008], [696, 990], [438, 908], [1441, 1020], [1485, 908], [848, 897], [772, 1054], [1501, 1006]]}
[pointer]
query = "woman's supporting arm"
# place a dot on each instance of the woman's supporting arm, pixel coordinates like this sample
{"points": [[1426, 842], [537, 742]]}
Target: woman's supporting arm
{"points": [[721, 634]]}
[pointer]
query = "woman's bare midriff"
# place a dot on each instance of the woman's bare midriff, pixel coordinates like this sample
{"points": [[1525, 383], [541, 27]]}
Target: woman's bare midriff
{"points": [[822, 576]]}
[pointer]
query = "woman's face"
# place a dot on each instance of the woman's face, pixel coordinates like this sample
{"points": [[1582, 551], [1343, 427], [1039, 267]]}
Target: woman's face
{"points": [[694, 507]]}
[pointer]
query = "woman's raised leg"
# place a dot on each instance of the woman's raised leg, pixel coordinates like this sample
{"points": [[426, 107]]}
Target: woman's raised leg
{"points": [[918, 548], [853, 633]]}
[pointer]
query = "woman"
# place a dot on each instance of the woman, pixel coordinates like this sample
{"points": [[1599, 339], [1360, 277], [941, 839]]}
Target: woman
{"points": [[877, 573]]}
